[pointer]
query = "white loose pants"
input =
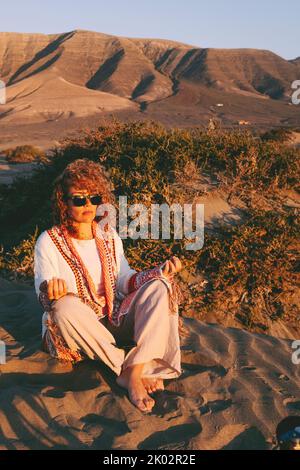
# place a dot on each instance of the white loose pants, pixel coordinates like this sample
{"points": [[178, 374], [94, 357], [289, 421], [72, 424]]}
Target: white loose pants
{"points": [[148, 323]]}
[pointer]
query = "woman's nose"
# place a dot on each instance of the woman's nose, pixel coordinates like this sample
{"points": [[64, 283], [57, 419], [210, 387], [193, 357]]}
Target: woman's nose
{"points": [[88, 202]]}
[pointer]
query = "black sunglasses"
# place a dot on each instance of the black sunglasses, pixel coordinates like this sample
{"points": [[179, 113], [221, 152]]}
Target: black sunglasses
{"points": [[82, 200]]}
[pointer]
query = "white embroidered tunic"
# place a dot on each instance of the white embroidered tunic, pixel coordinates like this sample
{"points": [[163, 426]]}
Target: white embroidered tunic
{"points": [[49, 263], [88, 252]]}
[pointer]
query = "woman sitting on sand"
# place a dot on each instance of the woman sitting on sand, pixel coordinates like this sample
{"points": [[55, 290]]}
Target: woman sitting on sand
{"points": [[93, 302]]}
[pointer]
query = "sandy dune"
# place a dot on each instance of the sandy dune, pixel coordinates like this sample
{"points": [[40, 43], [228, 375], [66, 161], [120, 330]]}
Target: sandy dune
{"points": [[295, 139], [235, 388], [49, 97], [9, 171]]}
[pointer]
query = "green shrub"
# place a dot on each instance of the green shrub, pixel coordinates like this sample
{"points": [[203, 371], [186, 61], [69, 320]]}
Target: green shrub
{"points": [[249, 269], [281, 135], [24, 154]]}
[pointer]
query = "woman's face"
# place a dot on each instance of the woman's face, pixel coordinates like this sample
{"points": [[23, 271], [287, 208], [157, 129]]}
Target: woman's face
{"points": [[84, 214]]}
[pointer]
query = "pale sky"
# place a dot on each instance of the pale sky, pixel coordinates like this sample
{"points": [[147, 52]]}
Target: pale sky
{"points": [[261, 24]]}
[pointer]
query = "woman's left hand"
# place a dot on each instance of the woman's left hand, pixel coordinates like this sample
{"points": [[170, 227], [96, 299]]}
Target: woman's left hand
{"points": [[171, 267]]}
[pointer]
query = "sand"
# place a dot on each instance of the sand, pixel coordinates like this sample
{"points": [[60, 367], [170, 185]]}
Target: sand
{"points": [[235, 387], [9, 171]]}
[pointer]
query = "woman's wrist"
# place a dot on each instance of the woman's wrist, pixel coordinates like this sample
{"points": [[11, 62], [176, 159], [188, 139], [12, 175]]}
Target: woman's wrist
{"points": [[44, 300], [168, 278], [138, 279]]}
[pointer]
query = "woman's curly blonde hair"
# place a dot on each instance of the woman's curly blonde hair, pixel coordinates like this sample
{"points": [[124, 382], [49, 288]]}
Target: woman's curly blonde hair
{"points": [[80, 174]]}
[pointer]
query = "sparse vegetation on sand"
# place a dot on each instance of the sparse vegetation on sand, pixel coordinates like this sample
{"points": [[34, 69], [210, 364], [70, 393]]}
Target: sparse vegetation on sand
{"points": [[24, 154], [281, 134]]}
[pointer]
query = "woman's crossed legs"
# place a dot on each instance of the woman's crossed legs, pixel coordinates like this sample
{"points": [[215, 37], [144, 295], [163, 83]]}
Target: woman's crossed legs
{"points": [[148, 323]]}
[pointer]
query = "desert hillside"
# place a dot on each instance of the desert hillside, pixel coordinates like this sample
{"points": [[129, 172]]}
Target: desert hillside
{"points": [[60, 82]]}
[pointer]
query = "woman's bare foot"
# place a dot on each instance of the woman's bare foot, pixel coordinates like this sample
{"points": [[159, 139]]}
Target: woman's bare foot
{"points": [[136, 391], [152, 385]]}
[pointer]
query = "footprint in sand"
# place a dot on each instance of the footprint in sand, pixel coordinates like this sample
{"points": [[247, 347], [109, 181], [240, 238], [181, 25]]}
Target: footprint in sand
{"points": [[215, 406], [172, 436], [53, 393], [166, 402], [283, 377], [292, 405]]}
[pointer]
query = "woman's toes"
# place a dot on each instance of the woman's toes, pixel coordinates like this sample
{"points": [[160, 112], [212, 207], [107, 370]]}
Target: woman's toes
{"points": [[141, 405], [149, 403], [144, 404], [160, 384], [152, 385], [138, 395]]}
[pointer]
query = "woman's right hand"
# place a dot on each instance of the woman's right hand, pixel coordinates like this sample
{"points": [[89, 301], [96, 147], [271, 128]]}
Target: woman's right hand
{"points": [[56, 288], [171, 267]]}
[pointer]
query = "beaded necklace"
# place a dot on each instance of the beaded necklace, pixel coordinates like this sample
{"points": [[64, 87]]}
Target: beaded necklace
{"points": [[107, 254]]}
